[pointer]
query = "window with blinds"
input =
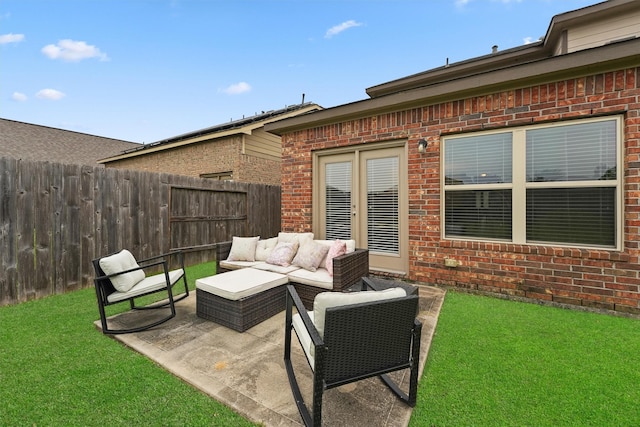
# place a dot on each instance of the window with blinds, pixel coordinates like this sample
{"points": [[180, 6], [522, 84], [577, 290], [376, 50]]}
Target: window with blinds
{"points": [[338, 201], [382, 205], [554, 184]]}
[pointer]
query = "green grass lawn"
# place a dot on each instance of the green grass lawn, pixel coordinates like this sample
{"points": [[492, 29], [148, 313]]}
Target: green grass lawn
{"points": [[492, 363], [57, 369], [503, 363]]}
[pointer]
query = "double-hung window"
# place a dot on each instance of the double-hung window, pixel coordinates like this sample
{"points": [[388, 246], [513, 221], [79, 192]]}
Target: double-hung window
{"points": [[546, 184]]}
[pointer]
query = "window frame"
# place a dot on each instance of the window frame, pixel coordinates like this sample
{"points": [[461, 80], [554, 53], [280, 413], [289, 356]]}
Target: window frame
{"points": [[519, 184]]}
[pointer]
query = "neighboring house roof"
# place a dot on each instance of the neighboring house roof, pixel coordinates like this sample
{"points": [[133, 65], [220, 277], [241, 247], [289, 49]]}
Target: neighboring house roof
{"points": [[236, 127], [556, 56], [34, 142]]}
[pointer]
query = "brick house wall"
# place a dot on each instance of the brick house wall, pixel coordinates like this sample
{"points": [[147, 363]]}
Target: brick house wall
{"points": [[223, 155], [602, 279]]}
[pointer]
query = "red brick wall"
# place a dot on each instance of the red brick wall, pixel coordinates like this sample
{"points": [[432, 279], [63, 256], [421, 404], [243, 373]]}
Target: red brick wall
{"points": [[594, 278]]}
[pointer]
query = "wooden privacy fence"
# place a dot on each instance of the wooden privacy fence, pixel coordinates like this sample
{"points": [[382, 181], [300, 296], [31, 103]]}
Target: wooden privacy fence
{"points": [[55, 218]]}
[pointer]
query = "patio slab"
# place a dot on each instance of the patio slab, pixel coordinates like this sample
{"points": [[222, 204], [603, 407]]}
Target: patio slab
{"points": [[245, 371]]}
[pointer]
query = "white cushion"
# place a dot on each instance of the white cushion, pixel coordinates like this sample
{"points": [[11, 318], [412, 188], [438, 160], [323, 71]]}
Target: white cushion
{"points": [[235, 265], [275, 268], [264, 248], [299, 238], [351, 245], [304, 337], [148, 284], [238, 284], [243, 249], [122, 261], [325, 300], [310, 254], [319, 278]]}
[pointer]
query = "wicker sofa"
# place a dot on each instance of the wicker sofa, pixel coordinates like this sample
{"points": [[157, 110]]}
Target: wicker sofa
{"points": [[348, 269]]}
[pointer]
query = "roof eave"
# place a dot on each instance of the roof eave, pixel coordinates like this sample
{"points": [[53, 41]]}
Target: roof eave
{"points": [[590, 61]]}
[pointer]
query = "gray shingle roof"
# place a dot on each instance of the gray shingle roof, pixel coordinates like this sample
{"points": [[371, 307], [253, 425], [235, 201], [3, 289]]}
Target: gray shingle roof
{"points": [[34, 142]]}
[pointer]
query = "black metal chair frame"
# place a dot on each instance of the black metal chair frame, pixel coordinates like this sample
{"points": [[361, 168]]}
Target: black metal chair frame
{"points": [[360, 341], [104, 288]]}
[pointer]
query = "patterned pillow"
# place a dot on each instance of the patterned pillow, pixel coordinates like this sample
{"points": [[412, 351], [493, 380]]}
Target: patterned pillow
{"points": [[122, 261], [282, 254], [265, 247], [338, 248], [310, 255], [243, 249]]}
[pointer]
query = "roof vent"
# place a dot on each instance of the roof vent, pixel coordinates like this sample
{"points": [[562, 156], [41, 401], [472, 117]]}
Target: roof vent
{"points": [[494, 48]]}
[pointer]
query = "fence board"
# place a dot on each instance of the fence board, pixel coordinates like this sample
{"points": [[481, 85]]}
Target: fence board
{"points": [[8, 219], [54, 219]]}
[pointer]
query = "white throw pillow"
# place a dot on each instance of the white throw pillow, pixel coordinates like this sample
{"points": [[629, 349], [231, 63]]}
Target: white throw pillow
{"points": [[325, 300], [264, 248], [122, 261], [243, 249], [282, 254], [310, 255]]}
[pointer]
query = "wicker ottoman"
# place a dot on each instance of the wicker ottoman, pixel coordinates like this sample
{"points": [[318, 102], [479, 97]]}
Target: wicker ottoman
{"points": [[240, 299]]}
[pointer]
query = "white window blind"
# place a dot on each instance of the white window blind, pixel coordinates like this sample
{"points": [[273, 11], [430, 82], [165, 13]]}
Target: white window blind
{"points": [[338, 201], [382, 205], [553, 183]]}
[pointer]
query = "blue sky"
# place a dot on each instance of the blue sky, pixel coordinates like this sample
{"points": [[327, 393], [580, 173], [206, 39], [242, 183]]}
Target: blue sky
{"points": [[146, 70]]}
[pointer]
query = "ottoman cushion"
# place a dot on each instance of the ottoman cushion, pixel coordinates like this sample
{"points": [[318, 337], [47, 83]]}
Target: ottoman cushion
{"points": [[237, 284]]}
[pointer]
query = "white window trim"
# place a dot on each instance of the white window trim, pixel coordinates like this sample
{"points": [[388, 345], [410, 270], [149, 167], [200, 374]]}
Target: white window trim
{"points": [[519, 184]]}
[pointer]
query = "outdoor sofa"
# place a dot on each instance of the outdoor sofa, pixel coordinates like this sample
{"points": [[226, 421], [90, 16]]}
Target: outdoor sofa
{"points": [[309, 276]]}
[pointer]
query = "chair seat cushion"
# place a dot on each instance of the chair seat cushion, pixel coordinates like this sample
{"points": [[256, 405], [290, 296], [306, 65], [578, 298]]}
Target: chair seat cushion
{"points": [[238, 284], [148, 284], [122, 261], [304, 337], [235, 265], [275, 268], [319, 278]]}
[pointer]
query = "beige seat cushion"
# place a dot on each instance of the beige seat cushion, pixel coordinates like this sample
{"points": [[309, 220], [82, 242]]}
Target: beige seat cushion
{"points": [[238, 284], [148, 284], [319, 278], [235, 265]]}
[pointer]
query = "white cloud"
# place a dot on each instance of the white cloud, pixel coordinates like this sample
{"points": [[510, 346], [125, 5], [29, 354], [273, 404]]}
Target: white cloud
{"points": [[11, 38], [71, 50], [528, 40], [462, 3], [237, 88], [337, 29], [17, 96], [50, 94]]}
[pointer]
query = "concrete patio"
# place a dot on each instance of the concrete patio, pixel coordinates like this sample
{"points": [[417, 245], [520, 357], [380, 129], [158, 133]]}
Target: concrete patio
{"points": [[245, 371]]}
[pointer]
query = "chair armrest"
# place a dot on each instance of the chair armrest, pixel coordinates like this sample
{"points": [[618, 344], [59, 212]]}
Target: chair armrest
{"points": [[293, 296], [349, 268], [222, 252]]}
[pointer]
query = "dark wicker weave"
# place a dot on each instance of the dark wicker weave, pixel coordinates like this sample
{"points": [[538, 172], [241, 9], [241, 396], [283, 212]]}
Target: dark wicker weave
{"points": [[348, 269], [360, 341], [241, 314], [104, 288]]}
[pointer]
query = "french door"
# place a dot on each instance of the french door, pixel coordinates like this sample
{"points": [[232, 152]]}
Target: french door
{"points": [[362, 195]]}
